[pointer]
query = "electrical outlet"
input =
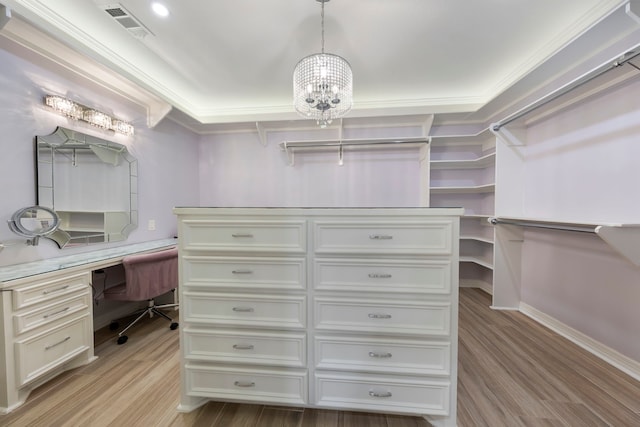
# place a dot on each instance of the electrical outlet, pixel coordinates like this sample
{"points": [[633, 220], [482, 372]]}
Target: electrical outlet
{"points": [[151, 225]]}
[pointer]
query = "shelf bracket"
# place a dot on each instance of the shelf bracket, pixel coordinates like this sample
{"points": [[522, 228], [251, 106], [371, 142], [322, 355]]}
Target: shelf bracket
{"points": [[624, 240]]}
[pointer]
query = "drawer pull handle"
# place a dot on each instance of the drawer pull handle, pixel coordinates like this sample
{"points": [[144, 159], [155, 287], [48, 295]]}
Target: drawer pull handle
{"points": [[378, 394], [50, 291], [243, 309], [379, 355], [239, 235], [379, 316], [380, 237], [46, 316], [49, 347], [379, 276], [243, 346], [244, 384], [242, 271]]}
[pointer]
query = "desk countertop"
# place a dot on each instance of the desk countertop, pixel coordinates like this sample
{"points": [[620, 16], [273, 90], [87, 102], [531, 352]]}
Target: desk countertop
{"points": [[19, 271]]}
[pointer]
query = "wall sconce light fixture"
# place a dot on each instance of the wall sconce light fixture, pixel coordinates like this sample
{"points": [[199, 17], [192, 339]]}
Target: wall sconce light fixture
{"points": [[76, 111]]}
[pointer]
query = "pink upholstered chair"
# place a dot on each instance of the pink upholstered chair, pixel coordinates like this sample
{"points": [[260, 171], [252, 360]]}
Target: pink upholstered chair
{"points": [[147, 276]]}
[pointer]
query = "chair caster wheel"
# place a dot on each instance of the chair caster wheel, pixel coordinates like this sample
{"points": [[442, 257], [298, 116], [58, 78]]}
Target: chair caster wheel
{"points": [[113, 326], [173, 326], [122, 339]]}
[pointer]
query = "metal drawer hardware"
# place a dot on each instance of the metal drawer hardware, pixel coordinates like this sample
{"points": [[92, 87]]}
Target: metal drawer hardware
{"points": [[380, 237], [242, 235], [243, 346], [49, 347], [378, 394], [46, 316], [380, 355], [243, 309], [50, 291], [242, 271], [379, 316], [244, 384], [379, 275]]}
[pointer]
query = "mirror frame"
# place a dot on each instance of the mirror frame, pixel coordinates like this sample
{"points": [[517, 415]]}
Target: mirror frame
{"points": [[47, 147]]}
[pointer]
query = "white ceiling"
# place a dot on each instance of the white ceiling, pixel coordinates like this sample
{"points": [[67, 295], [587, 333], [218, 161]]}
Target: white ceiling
{"points": [[223, 61]]}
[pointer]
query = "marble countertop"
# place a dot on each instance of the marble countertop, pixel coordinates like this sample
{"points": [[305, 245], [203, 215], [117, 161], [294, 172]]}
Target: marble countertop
{"points": [[18, 271]]}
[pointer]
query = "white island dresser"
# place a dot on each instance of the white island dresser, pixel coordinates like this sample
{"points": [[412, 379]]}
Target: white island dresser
{"points": [[352, 309]]}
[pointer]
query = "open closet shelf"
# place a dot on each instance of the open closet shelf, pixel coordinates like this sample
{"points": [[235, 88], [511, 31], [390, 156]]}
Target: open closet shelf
{"points": [[476, 260], [481, 162], [624, 238], [486, 188]]}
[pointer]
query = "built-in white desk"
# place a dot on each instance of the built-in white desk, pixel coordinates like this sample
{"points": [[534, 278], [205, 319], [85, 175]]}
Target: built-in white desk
{"points": [[47, 313]]}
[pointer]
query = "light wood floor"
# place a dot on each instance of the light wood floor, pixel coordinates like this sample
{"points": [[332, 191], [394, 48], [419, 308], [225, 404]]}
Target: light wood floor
{"points": [[512, 372]]}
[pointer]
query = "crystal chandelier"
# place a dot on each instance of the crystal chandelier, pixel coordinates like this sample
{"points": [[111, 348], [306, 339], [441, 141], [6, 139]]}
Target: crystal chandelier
{"points": [[322, 85]]}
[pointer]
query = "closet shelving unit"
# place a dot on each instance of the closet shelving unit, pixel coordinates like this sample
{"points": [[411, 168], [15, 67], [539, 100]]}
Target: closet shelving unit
{"points": [[462, 173]]}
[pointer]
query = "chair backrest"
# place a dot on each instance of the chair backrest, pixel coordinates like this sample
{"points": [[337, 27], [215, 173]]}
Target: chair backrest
{"points": [[151, 274]]}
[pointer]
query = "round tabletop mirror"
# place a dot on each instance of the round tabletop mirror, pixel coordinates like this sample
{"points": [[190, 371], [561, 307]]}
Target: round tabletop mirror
{"points": [[34, 221]]}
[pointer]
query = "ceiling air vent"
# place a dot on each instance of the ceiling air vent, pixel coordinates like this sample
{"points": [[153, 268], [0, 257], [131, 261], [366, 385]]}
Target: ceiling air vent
{"points": [[126, 19]]}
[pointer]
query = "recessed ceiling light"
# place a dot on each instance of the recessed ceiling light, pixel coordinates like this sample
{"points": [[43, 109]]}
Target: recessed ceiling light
{"points": [[160, 9]]}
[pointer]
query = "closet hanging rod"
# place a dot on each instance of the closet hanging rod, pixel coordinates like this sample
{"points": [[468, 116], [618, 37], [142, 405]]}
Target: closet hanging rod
{"points": [[548, 225], [574, 84], [353, 142]]}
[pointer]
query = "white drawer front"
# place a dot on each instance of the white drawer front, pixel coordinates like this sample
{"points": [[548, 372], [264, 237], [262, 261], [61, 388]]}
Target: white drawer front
{"points": [[382, 356], [379, 393], [398, 317], [266, 386], [380, 275], [26, 321], [399, 238], [245, 310], [245, 347], [255, 273], [49, 290], [245, 236], [41, 353]]}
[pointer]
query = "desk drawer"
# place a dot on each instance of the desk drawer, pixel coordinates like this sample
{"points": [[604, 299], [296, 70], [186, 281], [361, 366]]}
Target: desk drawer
{"points": [[384, 237], [245, 347], [37, 355], [383, 275], [382, 317], [27, 321], [381, 393], [259, 385], [261, 311], [26, 296], [256, 273], [245, 236], [382, 355]]}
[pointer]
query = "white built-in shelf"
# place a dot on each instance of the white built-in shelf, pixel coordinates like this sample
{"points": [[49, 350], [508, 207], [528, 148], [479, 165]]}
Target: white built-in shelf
{"points": [[477, 260], [477, 238], [479, 163], [476, 189]]}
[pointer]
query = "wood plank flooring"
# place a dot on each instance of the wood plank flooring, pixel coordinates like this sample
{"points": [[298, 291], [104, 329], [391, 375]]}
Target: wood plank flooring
{"points": [[512, 372]]}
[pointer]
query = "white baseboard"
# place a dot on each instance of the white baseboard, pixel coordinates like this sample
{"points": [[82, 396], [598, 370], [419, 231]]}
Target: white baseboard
{"points": [[609, 355], [480, 284]]}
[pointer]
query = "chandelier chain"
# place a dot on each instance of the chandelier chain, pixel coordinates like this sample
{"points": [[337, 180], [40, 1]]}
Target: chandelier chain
{"points": [[322, 25]]}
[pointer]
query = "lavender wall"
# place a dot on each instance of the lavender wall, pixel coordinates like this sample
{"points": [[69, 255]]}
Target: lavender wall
{"points": [[166, 154], [582, 165], [237, 170]]}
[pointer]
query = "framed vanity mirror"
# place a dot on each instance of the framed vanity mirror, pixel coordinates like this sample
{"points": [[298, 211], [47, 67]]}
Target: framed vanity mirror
{"points": [[91, 183]]}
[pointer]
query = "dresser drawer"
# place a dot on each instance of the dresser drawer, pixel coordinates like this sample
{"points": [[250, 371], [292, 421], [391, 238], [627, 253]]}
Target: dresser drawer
{"points": [[39, 354], [48, 290], [392, 237], [244, 236], [380, 393], [380, 275], [259, 385], [382, 355], [383, 317], [245, 347], [254, 273], [262, 311], [29, 320]]}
